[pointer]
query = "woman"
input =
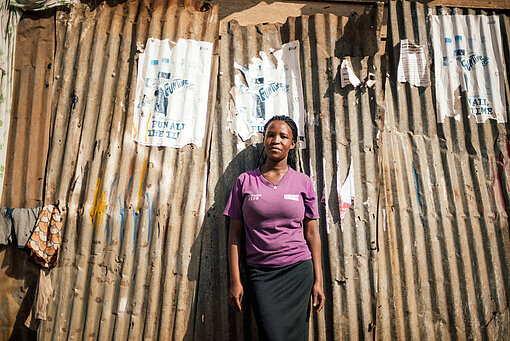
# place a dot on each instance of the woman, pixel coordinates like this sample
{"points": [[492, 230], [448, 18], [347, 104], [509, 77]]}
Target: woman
{"points": [[276, 207]]}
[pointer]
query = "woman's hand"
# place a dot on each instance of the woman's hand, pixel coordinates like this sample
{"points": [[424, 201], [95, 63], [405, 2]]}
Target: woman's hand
{"points": [[313, 239], [318, 297], [235, 296]]}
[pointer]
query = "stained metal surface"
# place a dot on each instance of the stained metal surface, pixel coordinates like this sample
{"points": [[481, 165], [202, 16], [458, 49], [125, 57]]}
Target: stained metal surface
{"points": [[444, 260], [26, 159], [27, 149], [422, 253], [139, 260], [132, 213], [339, 122]]}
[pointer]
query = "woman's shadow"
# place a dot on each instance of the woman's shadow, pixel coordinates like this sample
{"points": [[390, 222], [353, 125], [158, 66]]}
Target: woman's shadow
{"points": [[211, 318]]}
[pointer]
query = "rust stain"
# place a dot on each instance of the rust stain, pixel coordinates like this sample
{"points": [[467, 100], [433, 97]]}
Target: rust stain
{"points": [[140, 188], [134, 130], [147, 127], [99, 204]]}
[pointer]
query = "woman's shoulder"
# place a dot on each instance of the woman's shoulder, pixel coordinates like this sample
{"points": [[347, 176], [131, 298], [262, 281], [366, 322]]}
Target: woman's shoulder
{"points": [[248, 174], [299, 176]]}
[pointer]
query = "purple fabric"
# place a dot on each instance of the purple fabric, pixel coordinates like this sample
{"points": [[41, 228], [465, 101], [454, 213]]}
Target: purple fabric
{"points": [[272, 217]]}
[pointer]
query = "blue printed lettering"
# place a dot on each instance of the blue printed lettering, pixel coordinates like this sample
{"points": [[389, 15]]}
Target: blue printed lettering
{"points": [[271, 89]]}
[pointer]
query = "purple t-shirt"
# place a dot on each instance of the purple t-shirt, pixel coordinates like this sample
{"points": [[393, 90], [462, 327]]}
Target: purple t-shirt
{"points": [[272, 216]]}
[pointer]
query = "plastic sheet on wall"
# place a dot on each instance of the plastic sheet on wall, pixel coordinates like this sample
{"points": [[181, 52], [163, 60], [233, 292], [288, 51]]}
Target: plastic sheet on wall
{"points": [[9, 19], [471, 59], [40, 5]]}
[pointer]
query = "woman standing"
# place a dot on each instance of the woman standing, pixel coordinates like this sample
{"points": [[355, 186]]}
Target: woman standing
{"points": [[276, 207]]}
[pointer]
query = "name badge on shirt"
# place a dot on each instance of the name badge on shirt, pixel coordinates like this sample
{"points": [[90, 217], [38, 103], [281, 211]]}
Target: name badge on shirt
{"points": [[294, 197]]}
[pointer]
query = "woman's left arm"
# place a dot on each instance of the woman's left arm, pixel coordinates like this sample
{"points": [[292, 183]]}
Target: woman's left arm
{"points": [[313, 239]]}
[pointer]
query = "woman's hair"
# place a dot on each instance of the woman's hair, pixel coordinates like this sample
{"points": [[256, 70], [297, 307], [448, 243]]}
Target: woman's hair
{"points": [[292, 158]]}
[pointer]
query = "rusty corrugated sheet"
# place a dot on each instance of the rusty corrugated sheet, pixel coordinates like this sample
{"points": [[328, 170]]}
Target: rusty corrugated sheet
{"points": [[144, 254], [26, 159], [341, 122], [27, 150], [444, 264], [132, 213]]}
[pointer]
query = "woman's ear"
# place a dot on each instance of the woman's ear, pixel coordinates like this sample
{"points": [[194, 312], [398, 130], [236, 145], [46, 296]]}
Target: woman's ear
{"points": [[293, 145]]}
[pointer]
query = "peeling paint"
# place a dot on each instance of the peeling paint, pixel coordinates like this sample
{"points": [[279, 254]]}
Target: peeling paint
{"points": [[122, 214], [150, 217], [99, 204], [141, 187], [135, 226]]}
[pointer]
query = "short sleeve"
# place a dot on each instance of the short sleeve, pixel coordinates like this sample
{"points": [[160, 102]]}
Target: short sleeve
{"points": [[310, 201], [233, 209]]}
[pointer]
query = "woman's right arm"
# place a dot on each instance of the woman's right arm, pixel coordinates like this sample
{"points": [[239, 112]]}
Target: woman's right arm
{"points": [[234, 250]]}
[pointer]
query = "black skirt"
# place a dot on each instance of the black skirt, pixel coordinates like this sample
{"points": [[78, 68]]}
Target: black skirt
{"points": [[281, 300]]}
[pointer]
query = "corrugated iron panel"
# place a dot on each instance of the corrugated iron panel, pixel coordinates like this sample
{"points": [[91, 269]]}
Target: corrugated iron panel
{"points": [[29, 127], [341, 122], [444, 263], [128, 266], [26, 159], [144, 254], [491, 4]]}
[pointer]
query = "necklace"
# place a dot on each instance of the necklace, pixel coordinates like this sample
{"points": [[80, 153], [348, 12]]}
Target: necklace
{"points": [[275, 186]]}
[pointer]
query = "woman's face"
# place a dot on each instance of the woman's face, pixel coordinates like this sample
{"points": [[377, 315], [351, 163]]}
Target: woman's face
{"points": [[278, 140]]}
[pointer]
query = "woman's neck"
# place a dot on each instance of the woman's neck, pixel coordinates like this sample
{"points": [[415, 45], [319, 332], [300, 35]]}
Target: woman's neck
{"points": [[275, 167]]}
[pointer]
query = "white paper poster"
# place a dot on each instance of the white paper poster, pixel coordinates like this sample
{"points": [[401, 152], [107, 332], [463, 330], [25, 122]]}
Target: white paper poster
{"points": [[468, 53], [412, 66], [346, 192], [268, 90], [172, 90], [347, 75]]}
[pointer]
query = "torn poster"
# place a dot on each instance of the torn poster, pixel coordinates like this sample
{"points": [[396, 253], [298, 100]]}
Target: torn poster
{"points": [[468, 54], [346, 192], [413, 66], [370, 81], [268, 90], [347, 75], [172, 90]]}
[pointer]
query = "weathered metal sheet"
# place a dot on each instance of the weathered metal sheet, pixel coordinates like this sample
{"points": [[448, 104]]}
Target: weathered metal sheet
{"points": [[132, 213], [26, 159], [29, 127], [341, 122], [444, 261], [422, 253], [491, 4]]}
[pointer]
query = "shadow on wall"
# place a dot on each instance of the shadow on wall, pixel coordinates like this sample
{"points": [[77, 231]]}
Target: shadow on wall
{"points": [[18, 280], [359, 38], [211, 318]]}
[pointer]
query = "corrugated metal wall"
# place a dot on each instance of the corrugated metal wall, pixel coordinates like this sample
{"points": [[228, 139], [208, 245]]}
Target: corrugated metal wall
{"points": [[341, 122], [444, 262], [128, 265], [422, 253], [26, 160]]}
